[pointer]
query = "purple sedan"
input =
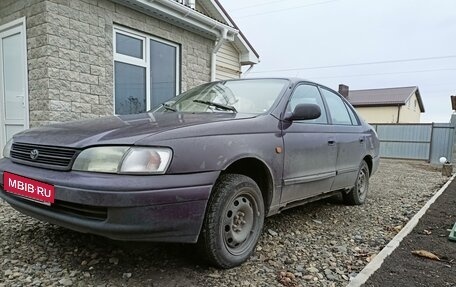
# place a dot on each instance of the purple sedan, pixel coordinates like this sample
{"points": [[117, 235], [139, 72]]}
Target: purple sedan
{"points": [[205, 167]]}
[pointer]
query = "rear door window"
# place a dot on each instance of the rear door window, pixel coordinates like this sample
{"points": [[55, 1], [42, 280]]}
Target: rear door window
{"points": [[353, 117], [337, 109]]}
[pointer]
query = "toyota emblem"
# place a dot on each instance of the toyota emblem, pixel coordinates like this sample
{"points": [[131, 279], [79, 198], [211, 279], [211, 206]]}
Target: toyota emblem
{"points": [[34, 154]]}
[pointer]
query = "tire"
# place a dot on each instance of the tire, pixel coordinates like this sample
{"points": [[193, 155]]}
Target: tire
{"points": [[358, 194], [234, 221]]}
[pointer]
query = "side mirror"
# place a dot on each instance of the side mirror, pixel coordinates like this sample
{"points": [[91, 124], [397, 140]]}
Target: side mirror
{"points": [[305, 112]]}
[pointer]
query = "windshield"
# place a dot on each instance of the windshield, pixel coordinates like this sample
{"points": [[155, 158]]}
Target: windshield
{"points": [[242, 96]]}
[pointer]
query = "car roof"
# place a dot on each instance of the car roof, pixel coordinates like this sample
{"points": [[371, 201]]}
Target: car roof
{"points": [[292, 80]]}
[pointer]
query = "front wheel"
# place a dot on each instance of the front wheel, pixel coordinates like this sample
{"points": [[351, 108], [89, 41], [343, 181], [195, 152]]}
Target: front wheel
{"points": [[234, 220], [358, 194]]}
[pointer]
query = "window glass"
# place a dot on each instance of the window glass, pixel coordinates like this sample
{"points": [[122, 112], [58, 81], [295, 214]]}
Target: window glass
{"points": [[308, 94], [246, 96], [13, 78], [130, 89], [352, 115], [129, 46], [146, 71], [162, 72], [337, 109]]}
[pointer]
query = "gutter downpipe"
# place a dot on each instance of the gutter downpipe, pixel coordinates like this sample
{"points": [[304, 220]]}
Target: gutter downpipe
{"points": [[221, 40], [398, 113], [248, 71], [190, 13]]}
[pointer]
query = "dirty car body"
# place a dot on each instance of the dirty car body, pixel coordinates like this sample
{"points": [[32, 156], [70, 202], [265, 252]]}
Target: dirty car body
{"points": [[166, 175]]}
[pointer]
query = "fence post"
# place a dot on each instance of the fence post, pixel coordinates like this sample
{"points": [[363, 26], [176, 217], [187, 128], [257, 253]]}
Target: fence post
{"points": [[430, 144], [453, 144]]}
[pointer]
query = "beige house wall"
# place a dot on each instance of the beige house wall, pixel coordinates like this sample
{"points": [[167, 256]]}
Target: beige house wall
{"points": [[228, 63], [409, 113], [378, 114]]}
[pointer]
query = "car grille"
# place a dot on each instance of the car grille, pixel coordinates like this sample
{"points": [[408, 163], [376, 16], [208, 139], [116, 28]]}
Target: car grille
{"points": [[74, 209], [83, 211], [48, 156]]}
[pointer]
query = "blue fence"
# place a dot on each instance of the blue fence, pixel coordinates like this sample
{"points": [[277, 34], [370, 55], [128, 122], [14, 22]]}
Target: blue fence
{"points": [[416, 141]]}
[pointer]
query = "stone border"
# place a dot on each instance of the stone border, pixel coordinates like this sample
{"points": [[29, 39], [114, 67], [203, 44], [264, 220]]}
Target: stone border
{"points": [[375, 264]]}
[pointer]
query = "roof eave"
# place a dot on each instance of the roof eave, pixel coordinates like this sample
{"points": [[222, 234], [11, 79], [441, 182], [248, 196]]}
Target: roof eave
{"points": [[420, 100], [174, 12], [249, 56], [246, 55], [414, 91], [377, 104]]}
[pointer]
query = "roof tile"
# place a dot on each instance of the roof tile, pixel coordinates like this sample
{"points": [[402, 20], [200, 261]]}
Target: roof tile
{"points": [[384, 97]]}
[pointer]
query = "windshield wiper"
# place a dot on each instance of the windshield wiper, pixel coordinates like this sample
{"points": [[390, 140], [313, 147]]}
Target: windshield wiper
{"points": [[217, 105], [168, 107]]}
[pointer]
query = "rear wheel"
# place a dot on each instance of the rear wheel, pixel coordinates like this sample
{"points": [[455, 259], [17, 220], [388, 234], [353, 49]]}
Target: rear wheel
{"points": [[234, 220], [358, 194]]}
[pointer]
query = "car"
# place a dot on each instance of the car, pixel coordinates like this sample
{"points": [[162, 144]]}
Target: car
{"points": [[206, 167]]}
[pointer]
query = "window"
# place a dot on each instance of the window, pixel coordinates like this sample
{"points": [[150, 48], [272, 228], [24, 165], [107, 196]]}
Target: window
{"points": [[308, 94], [337, 108], [353, 118], [146, 72], [254, 96], [130, 89]]}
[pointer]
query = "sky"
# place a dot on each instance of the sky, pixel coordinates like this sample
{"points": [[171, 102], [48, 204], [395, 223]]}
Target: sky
{"points": [[359, 43]]}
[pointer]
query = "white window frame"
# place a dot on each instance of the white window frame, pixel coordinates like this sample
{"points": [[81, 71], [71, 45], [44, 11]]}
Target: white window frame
{"points": [[144, 62]]}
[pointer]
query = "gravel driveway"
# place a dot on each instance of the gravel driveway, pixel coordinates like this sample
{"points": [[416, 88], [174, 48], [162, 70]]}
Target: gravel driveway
{"points": [[320, 244]]}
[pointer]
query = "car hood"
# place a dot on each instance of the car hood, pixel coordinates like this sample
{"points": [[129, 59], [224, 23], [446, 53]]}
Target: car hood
{"points": [[127, 129]]}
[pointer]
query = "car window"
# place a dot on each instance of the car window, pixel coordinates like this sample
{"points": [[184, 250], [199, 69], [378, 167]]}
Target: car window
{"points": [[254, 96], [337, 108], [308, 94], [353, 118]]}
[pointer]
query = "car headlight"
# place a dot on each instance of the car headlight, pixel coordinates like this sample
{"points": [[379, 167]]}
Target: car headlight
{"points": [[146, 160], [7, 148], [122, 159]]}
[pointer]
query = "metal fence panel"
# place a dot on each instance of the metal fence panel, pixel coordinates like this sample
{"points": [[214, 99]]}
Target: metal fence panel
{"points": [[416, 141], [405, 133], [404, 150], [407, 141], [442, 142]]}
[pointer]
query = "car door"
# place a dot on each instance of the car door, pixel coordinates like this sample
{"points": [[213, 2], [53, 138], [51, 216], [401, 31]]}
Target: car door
{"points": [[310, 150], [349, 137]]}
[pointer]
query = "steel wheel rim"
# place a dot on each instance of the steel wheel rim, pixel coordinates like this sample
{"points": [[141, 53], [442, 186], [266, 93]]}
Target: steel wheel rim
{"points": [[362, 183], [240, 222]]}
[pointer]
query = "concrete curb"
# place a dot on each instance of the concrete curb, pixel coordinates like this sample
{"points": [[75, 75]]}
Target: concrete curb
{"points": [[375, 264]]}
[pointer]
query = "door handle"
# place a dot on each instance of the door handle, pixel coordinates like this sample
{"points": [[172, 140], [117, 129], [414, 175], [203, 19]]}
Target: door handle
{"points": [[331, 142], [361, 139]]}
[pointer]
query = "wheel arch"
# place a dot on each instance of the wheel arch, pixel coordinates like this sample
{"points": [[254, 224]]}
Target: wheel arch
{"points": [[368, 160], [257, 170]]}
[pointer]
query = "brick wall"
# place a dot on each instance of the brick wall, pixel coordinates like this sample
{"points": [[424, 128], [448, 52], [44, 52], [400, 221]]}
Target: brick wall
{"points": [[70, 54]]}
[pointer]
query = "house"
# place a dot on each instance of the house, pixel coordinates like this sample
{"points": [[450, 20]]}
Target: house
{"points": [[388, 105], [65, 60]]}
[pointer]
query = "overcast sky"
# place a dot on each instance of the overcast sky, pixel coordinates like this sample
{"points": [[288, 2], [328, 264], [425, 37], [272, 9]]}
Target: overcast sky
{"points": [[415, 40]]}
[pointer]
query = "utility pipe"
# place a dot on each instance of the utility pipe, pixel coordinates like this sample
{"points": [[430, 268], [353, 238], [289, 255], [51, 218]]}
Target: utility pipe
{"points": [[247, 72], [221, 31], [219, 43]]}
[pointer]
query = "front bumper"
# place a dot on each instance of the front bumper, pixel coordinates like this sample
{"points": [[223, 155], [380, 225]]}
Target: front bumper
{"points": [[166, 208]]}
